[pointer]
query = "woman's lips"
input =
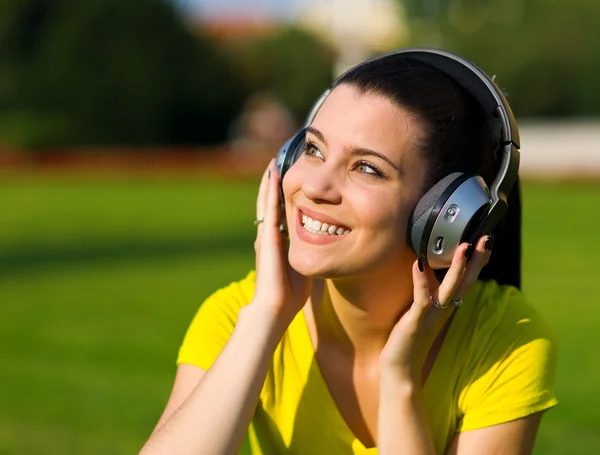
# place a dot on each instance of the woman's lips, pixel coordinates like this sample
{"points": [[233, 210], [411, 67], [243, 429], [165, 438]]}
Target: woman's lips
{"points": [[321, 217], [319, 238]]}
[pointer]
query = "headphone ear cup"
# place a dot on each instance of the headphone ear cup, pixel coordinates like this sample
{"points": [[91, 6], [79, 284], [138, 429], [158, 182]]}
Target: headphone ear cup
{"points": [[447, 215], [290, 152], [423, 209]]}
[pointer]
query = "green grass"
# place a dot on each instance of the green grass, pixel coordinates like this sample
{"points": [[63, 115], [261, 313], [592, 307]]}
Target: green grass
{"points": [[99, 279], [559, 270]]}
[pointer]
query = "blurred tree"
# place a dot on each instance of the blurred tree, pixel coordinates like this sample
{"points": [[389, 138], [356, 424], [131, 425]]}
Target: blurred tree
{"points": [[291, 63], [109, 72], [545, 54]]}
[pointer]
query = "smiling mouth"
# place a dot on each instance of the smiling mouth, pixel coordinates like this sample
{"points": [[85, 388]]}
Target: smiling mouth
{"points": [[317, 227]]}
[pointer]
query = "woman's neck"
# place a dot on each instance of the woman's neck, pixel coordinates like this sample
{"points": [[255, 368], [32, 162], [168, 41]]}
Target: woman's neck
{"points": [[357, 315]]}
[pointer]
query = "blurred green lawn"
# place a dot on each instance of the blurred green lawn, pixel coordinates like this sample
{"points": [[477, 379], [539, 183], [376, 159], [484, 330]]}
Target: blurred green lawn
{"points": [[100, 278]]}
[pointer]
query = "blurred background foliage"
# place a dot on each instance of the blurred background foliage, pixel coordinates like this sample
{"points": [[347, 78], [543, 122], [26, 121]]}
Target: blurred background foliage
{"points": [[291, 62], [107, 72], [545, 53], [136, 72]]}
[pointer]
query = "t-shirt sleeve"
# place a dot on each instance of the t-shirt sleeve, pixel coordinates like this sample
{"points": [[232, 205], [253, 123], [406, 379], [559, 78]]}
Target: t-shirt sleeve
{"points": [[214, 322], [514, 376]]}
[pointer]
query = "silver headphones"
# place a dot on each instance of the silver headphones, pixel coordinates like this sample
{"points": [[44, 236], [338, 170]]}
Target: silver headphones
{"points": [[460, 207]]}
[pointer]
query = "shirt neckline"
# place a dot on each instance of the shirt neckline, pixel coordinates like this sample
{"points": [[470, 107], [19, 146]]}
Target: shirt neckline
{"points": [[331, 408]]}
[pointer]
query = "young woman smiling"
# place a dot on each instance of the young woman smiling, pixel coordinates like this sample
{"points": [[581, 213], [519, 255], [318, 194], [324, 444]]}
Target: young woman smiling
{"points": [[344, 341]]}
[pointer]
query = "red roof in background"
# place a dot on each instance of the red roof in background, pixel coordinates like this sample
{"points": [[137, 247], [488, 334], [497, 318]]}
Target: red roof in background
{"points": [[235, 28]]}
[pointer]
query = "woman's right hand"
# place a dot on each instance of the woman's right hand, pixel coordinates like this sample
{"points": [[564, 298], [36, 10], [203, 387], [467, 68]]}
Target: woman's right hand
{"points": [[279, 290]]}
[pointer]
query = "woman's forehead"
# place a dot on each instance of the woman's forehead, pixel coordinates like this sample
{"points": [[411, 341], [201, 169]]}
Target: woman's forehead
{"points": [[369, 120]]}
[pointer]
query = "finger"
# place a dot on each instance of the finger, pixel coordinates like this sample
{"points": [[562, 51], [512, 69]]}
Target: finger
{"points": [[481, 256], [431, 278], [454, 277], [270, 227], [271, 209], [261, 202], [421, 292], [269, 244]]}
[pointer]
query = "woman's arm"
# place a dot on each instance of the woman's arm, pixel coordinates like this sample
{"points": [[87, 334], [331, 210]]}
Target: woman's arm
{"points": [[187, 379], [510, 438], [403, 426], [215, 417]]}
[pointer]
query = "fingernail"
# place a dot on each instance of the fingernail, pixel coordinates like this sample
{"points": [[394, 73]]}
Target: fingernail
{"points": [[420, 265], [269, 174], [489, 243], [469, 251]]}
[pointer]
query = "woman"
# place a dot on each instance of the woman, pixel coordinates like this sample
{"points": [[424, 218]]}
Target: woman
{"points": [[345, 341]]}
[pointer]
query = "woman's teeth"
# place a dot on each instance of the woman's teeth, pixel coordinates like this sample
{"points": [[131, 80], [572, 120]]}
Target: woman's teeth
{"points": [[316, 227]]}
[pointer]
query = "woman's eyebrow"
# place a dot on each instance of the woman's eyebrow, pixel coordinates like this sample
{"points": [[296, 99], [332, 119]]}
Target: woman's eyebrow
{"points": [[359, 151], [369, 152], [317, 133]]}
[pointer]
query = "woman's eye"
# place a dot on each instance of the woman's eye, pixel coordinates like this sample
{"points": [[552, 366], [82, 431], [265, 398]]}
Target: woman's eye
{"points": [[366, 168], [311, 149]]}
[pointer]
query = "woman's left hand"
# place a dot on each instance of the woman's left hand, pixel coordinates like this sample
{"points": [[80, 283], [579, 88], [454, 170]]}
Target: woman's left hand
{"points": [[410, 341]]}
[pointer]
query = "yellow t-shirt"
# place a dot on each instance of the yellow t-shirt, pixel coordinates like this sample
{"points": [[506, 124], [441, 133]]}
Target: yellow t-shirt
{"points": [[496, 364]]}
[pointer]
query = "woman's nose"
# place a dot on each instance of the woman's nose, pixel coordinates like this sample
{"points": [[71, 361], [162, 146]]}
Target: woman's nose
{"points": [[322, 185]]}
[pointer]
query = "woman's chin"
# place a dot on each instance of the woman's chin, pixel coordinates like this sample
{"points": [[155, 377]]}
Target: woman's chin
{"points": [[312, 267]]}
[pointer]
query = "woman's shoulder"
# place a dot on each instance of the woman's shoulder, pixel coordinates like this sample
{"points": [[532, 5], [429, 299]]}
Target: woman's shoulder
{"points": [[508, 357], [505, 311], [499, 326], [214, 322], [234, 295], [241, 290]]}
